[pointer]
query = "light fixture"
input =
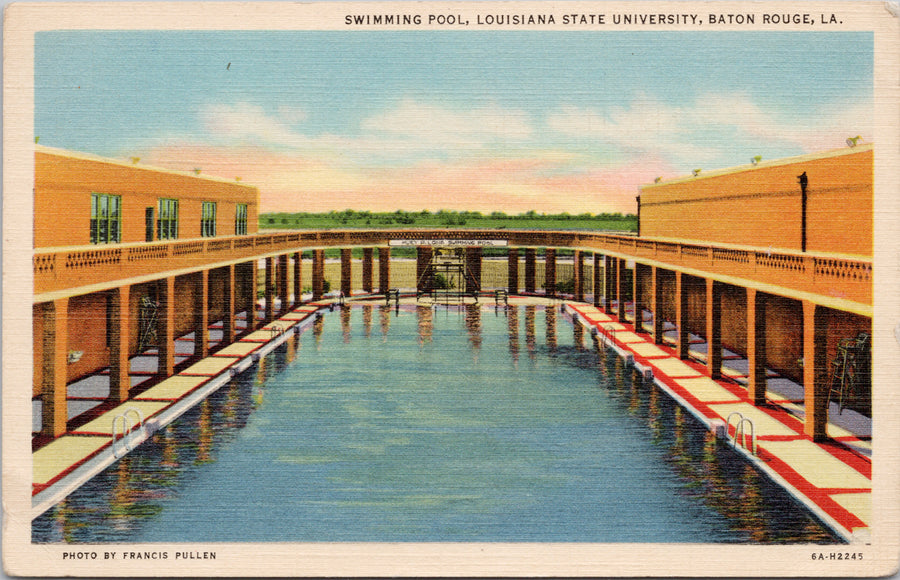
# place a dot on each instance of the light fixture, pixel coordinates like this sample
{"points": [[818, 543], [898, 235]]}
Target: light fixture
{"points": [[851, 141], [197, 170], [134, 160], [755, 159], [657, 180], [696, 172], [237, 178]]}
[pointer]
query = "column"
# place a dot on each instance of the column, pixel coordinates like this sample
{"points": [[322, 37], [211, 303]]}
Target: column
{"points": [[598, 280], [656, 298], [282, 278], [250, 269], [166, 326], [270, 290], [318, 274], [714, 328], [423, 268], [756, 346], [512, 271], [201, 314], [530, 268], [55, 349], [473, 269], [550, 271], [298, 277], [346, 270], [119, 323], [815, 383], [609, 282], [621, 311], [367, 270], [384, 269], [637, 283], [228, 323], [578, 276], [681, 303]]}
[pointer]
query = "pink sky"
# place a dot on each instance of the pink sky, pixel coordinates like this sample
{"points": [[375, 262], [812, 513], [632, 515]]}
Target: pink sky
{"points": [[293, 183]]}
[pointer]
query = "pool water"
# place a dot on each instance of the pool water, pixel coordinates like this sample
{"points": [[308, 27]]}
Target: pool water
{"points": [[421, 424]]}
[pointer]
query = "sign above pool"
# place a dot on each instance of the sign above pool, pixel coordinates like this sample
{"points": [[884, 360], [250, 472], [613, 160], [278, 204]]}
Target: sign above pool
{"points": [[449, 243]]}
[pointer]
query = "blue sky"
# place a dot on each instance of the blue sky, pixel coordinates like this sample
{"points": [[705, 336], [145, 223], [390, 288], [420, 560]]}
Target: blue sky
{"points": [[506, 120]]}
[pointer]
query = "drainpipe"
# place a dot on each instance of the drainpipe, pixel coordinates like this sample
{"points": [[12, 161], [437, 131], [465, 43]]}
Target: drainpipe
{"points": [[803, 183], [638, 198]]}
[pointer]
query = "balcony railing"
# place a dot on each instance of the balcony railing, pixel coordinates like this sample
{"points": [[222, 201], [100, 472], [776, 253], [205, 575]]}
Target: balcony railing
{"points": [[71, 268]]}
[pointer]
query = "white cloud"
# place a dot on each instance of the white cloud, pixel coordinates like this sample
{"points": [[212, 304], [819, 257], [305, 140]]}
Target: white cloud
{"points": [[247, 123], [431, 124]]}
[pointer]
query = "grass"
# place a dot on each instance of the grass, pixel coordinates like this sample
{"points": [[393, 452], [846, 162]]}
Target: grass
{"points": [[449, 219]]}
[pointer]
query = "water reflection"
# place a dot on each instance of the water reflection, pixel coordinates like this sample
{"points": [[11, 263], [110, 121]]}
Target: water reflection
{"points": [[550, 317], [384, 319], [367, 320], [512, 325], [131, 496]]}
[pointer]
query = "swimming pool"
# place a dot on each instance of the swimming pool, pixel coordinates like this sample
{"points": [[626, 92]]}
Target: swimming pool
{"points": [[420, 424]]}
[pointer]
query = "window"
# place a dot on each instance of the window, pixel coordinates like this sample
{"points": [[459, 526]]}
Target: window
{"points": [[208, 219], [167, 222], [240, 220], [106, 218]]}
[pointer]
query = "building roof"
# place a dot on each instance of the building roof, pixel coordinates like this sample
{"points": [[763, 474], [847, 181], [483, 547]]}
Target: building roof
{"points": [[111, 161], [763, 164]]}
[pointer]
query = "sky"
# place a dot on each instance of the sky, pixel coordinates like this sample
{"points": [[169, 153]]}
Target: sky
{"points": [[485, 121]]}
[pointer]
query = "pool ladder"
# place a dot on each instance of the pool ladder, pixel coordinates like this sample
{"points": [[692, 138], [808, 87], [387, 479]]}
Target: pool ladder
{"points": [[740, 435], [127, 428]]}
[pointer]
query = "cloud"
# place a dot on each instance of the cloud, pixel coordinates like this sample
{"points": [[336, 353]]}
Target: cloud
{"points": [[712, 129], [248, 124], [433, 125]]}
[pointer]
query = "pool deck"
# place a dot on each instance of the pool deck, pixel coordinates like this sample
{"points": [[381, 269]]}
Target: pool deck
{"points": [[832, 479]]}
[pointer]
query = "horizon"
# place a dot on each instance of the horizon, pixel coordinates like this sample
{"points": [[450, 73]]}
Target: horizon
{"points": [[323, 121]]}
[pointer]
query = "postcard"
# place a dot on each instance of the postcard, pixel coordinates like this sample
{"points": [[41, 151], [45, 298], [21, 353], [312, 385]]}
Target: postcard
{"points": [[461, 289]]}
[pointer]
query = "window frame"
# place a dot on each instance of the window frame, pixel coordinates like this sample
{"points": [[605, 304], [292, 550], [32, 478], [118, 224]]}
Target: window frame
{"points": [[106, 218], [208, 211], [167, 218], [240, 219]]}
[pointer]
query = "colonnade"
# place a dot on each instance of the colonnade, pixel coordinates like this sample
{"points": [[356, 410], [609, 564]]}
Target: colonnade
{"points": [[184, 302]]}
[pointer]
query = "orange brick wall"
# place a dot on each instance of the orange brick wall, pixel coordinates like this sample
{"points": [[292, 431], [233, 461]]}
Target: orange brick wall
{"points": [[64, 184], [761, 206]]}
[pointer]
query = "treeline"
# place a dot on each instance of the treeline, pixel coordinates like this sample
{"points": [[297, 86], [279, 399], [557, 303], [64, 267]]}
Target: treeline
{"points": [[445, 218]]}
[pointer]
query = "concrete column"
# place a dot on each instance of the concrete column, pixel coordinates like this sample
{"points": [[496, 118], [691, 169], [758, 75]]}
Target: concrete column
{"points": [[550, 271], [578, 276], [815, 379], [270, 290], [620, 290], [609, 282], [282, 278], [318, 274], [756, 346], [656, 305], [55, 360], [228, 301], [473, 269], [423, 268], [367, 270], [249, 269], [384, 269], [598, 280], [201, 314], [298, 277], [637, 282], [346, 271], [512, 271], [166, 326], [530, 269], [714, 328], [119, 326], [681, 304]]}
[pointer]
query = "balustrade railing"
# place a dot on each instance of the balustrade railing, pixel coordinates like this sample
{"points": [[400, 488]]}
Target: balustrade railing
{"points": [[60, 269]]}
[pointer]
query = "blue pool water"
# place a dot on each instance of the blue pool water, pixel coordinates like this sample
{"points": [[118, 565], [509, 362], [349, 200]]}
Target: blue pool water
{"points": [[473, 424]]}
